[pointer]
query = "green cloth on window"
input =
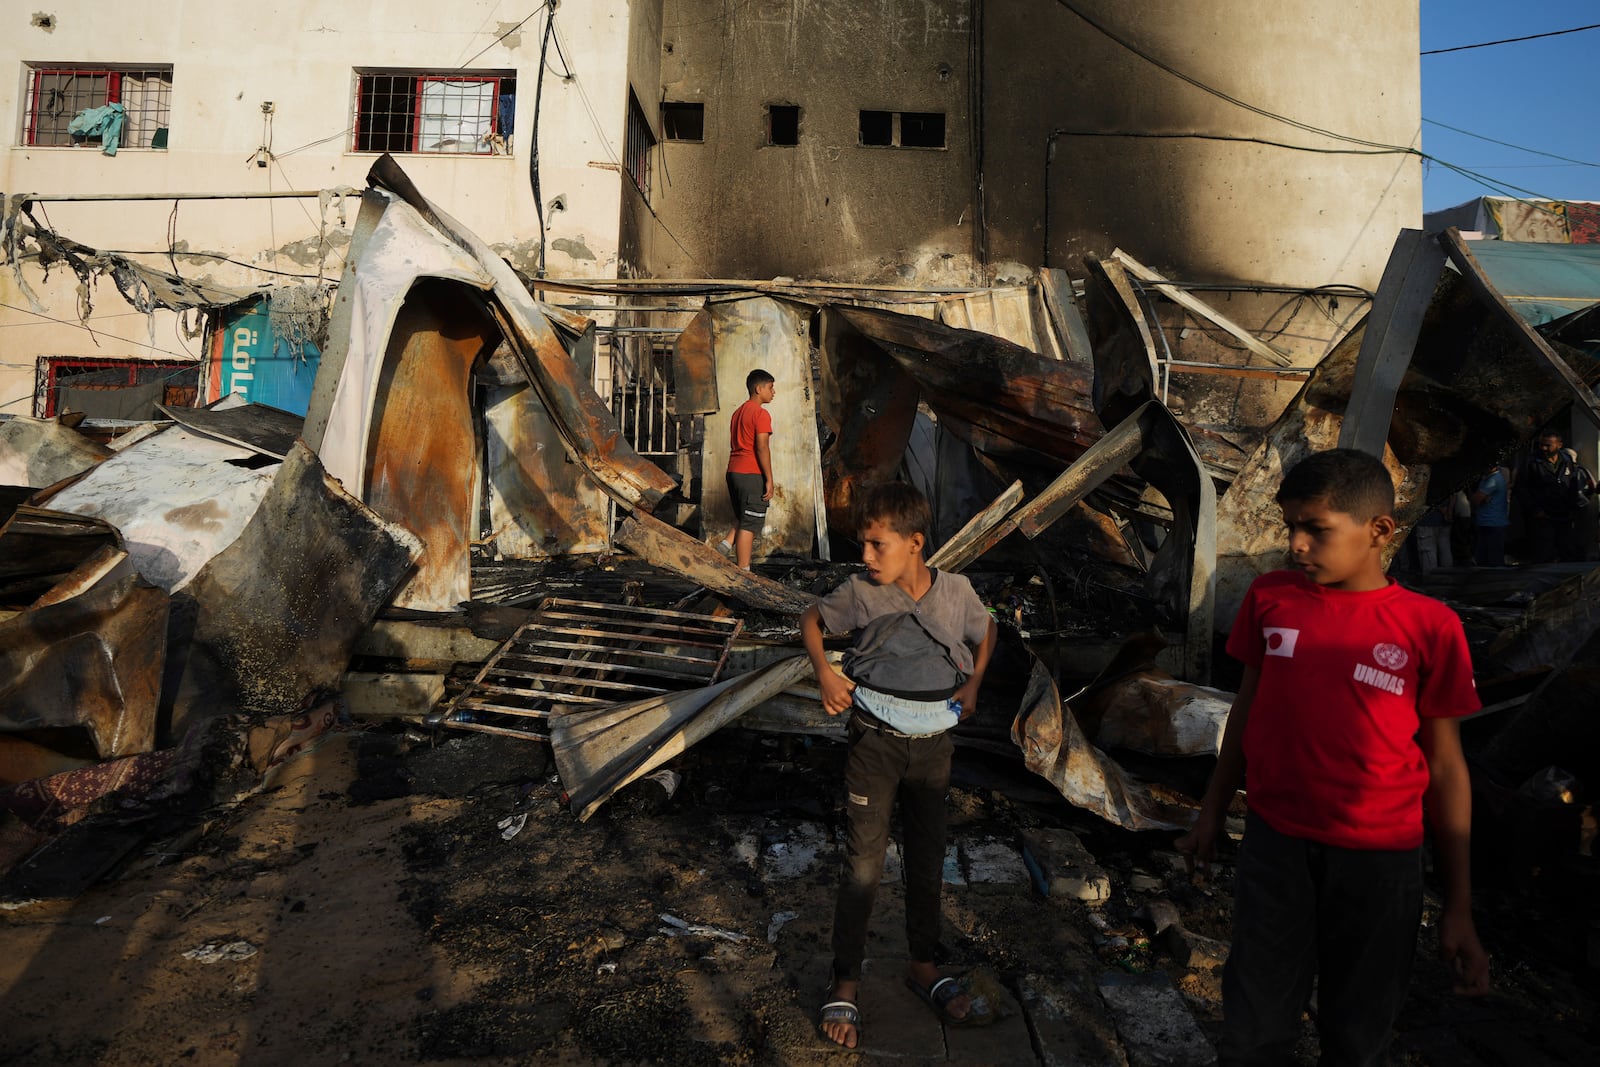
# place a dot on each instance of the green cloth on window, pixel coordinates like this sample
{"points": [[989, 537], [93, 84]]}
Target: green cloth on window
{"points": [[103, 122]]}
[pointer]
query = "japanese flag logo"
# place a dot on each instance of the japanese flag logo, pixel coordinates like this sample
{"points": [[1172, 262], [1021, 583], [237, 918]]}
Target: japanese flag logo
{"points": [[1280, 640]]}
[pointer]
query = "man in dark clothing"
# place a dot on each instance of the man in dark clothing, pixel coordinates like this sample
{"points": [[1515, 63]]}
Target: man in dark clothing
{"points": [[1553, 489]]}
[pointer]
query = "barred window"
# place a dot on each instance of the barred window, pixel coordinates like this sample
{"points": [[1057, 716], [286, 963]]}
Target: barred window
{"points": [[58, 94], [640, 140], [418, 111]]}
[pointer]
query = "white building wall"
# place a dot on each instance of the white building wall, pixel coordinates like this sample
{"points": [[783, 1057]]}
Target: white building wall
{"points": [[228, 57]]}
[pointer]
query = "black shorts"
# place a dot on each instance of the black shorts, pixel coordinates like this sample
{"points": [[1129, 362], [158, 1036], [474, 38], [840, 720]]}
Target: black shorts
{"points": [[749, 510]]}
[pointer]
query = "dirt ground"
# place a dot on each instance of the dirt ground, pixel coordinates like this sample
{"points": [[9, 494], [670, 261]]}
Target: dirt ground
{"points": [[368, 907]]}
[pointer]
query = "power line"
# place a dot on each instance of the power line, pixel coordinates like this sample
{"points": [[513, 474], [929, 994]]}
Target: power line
{"points": [[1508, 144], [1481, 179], [1510, 40]]}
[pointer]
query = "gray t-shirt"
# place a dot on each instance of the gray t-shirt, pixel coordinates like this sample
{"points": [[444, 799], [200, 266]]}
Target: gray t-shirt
{"points": [[920, 649]]}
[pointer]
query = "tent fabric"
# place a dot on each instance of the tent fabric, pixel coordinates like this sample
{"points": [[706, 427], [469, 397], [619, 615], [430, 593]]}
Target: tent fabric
{"points": [[1541, 282], [1533, 221]]}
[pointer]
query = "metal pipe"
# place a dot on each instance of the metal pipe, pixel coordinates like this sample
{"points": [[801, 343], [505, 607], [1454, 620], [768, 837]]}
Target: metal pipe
{"points": [[285, 194]]}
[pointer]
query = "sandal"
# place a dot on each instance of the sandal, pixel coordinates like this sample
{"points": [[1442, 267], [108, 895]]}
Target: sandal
{"points": [[841, 1011], [938, 997]]}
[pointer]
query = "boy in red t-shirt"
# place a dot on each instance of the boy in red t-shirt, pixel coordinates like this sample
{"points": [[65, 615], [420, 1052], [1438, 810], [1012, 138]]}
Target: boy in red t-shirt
{"points": [[750, 466], [1344, 729]]}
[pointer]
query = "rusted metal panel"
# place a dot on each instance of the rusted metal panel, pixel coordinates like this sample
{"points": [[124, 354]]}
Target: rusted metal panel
{"points": [[272, 619], [587, 426], [775, 336], [539, 504], [178, 499], [694, 368], [422, 462], [1007, 401], [41, 452], [673, 550], [88, 656]]}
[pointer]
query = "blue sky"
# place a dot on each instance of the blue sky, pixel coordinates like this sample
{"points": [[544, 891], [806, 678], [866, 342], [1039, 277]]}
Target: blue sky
{"points": [[1538, 94]]}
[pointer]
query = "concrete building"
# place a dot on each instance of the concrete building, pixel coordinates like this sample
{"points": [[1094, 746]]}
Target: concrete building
{"points": [[926, 143], [233, 97]]}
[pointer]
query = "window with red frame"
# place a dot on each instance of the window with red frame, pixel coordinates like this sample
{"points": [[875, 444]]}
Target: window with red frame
{"points": [[56, 94], [453, 114], [178, 381]]}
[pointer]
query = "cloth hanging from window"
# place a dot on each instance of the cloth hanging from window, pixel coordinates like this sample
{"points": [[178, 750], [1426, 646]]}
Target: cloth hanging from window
{"points": [[104, 122]]}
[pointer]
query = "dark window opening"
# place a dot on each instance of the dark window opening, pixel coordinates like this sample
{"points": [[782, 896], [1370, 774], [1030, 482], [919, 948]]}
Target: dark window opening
{"points": [[446, 114], [877, 127], [903, 129], [783, 124], [57, 95], [922, 129], [683, 122]]}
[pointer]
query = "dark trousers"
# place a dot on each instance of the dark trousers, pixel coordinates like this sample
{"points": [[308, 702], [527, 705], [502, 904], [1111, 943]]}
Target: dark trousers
{"points": [[880, 768], [1491, 550], [1348, 917], [1554, 539]]}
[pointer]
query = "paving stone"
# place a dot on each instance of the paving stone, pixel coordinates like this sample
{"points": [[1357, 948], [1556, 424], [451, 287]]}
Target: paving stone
{"points": [[952, 865], [991, 861], [895, 1024], [1007, 1042], [1069, 870], [1070, 1027], [1153, 1022]]}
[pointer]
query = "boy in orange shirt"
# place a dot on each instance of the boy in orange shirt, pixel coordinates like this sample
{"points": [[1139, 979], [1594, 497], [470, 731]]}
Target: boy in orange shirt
{"points": [[1345, 729], [749, 474]]}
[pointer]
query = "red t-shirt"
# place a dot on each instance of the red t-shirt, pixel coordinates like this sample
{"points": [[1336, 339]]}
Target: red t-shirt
{"points": [[1330, 747], [749, 419]]}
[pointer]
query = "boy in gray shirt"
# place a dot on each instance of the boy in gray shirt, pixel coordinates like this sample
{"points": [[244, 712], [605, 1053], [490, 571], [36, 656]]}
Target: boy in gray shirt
{"points": [[923, 641]]}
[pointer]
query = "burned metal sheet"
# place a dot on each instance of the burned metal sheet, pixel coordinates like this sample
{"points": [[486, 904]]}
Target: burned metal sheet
{"points": [[1054, 746], [1478, 383], [775, 336], [590, 432], [178, 499], [870, 404], [575, 653], [422, 463], [271, 620], [259, 427], [39, 547], [599, 751], [1554, 628], [1134, 704], [1151, 443], [539, 504], [694, 368], [85, 660], [1006, 401], [41, 452]]}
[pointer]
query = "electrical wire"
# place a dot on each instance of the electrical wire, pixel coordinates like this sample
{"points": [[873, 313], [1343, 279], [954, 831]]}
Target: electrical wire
{"points": [[1128, 45], [1508, 144], [1509, 40]]}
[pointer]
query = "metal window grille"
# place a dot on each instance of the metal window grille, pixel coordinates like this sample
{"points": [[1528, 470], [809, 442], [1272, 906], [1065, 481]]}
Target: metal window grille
{"points": [[57, 94], [640, 387], [639, 142], [433, 113]]}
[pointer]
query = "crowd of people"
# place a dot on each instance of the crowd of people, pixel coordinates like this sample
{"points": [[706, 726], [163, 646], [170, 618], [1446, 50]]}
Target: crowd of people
{"points": [[1543, 499]]}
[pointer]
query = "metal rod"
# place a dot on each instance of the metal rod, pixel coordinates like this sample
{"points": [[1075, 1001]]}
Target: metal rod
{"points": [[285, 194]]}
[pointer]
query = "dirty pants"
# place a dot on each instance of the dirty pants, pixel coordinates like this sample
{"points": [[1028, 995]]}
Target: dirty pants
{"points": [[1347, 916], [879, 768]]}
